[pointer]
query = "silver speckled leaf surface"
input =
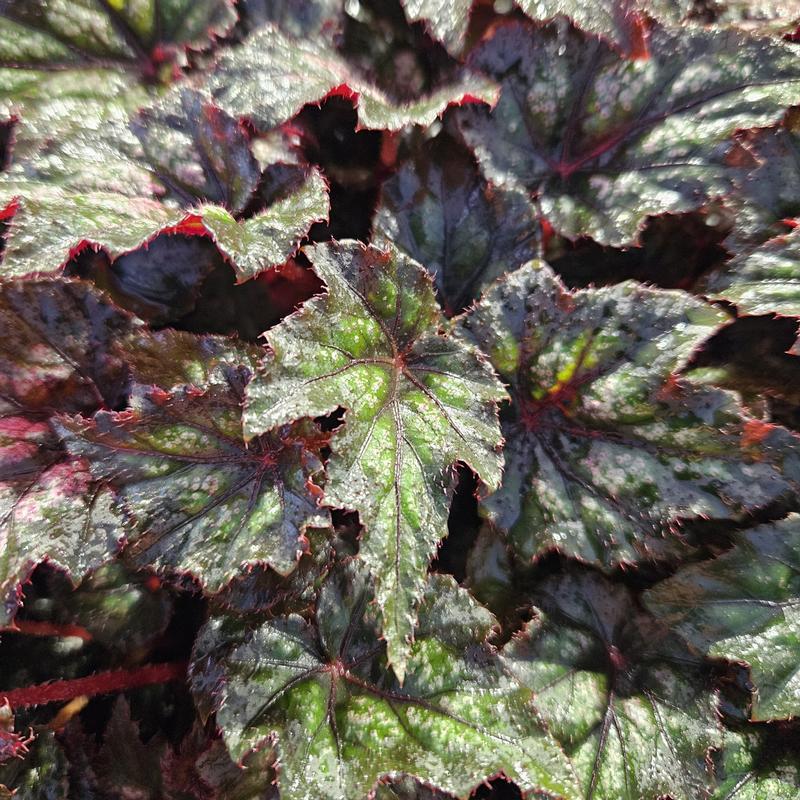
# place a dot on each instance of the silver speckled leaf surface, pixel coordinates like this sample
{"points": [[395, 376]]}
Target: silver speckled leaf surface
{"points": [[197, 497], [606, 450], [271, 76], [50, 508], [104, 191], [456, 720], [604, 141], [764, 280], [415, 402], [620, 21], [620, 692], [71, 65], [745, 605]]}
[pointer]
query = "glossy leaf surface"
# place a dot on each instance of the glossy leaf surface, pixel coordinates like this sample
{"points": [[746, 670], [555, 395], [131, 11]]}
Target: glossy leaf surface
{"points": [[765, 280], [606, 450], [442, 213], [456, 720], [745, 605], [50, 508], [199, 499], [620, 692], [271, 77], [621, 21], [603, 141], [416, 402], [69, 65]]}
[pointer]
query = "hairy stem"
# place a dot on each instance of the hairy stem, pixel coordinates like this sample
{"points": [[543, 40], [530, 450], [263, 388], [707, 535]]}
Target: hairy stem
{"points": [[118, 680]]}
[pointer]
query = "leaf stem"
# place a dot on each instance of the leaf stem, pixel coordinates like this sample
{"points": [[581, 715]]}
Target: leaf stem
{"points": [[32, 627], [118, 680]]}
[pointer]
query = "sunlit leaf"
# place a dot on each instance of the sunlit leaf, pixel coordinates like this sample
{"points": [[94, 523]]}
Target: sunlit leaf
{"points": [[416, 402], [601, 140], [455, 721], [621, 693], [745, 605], [606, 450]]}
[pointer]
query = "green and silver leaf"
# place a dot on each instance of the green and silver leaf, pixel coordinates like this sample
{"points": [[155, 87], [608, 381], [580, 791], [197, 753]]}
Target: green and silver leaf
{"points": [[50, 509], [764, 280], [341, 721], [68, 66], [745, 605], [621, 693], [416, 402], [606, 450], [603, 141], [198, 498], [271, 76]]}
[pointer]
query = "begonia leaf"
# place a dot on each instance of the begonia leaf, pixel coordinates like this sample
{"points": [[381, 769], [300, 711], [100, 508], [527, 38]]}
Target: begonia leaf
{"points": [[456, 720], [620, 692], [441, 212], [745, 605], [416, 402], [271, 76], [606, 450], [199, 498], [603, 141]]}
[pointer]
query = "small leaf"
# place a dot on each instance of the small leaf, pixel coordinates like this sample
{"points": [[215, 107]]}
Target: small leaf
{"points": [[606, 450], [765, 280], [50, 508], [621, 693], [199, 498], [416, 402], [439, 211], [268, 238], [271, 77], [745, 605], [603, 141], [456, 721], [624, 22]]}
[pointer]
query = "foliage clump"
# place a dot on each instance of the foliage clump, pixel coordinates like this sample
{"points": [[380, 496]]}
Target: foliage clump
{"points": [[399, 399]]}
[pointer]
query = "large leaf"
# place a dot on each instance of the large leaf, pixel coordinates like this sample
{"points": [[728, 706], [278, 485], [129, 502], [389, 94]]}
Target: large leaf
{"points": [[416, 402], [50, 508], [745, 605], [439, 210], [103, 192], [621, 693], [70, 65], [765, 280], [456, 720], [606, 451], [201, 500], [621, 21], [603, 141], [271, 77]]}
